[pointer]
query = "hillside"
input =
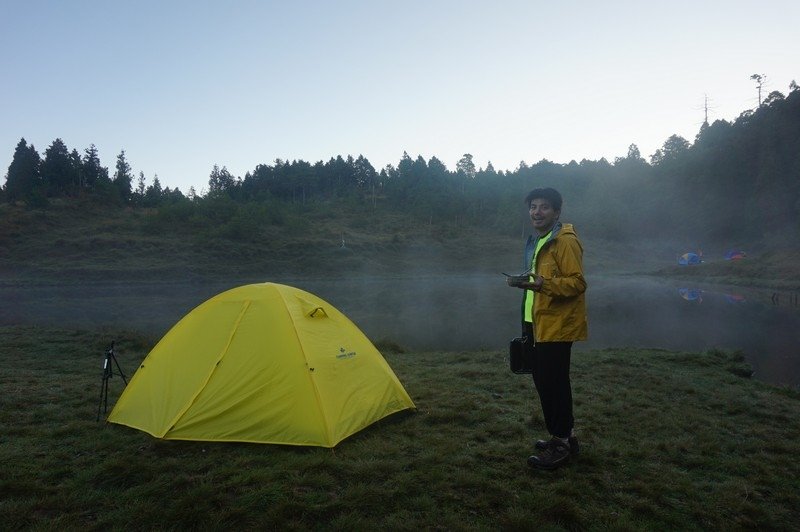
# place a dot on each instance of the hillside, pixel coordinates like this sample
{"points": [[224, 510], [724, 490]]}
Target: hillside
{"points": [[75, 241], [736, 186]]}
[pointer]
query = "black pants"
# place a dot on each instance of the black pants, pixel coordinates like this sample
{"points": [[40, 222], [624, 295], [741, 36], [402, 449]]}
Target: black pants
{"points": [[551, 376]]}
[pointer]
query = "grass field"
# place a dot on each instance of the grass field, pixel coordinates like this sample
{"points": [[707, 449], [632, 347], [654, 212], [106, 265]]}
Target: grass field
{"points": [[669, 441], [73, 242]]}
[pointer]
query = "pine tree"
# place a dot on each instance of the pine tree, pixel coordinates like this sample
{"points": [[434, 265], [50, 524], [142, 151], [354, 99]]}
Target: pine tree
{"points": [[153, 194], [123, 177], [76, 163], [58, 172], [94, 174], [137, 198], [220, 180], [23, 172]]}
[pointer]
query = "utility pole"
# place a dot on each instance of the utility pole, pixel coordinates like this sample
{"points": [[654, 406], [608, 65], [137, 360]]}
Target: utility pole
{"points": [[759, 79], [707, 107]]}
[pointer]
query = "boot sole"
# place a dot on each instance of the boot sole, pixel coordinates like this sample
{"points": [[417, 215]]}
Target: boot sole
{"points": [[541, 445]]}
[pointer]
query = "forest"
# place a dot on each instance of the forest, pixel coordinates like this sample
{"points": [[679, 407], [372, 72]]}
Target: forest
{"points": [[737, 182]]}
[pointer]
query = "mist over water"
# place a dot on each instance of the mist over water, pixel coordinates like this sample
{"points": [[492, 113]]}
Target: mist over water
{"points": [[467, 312]]}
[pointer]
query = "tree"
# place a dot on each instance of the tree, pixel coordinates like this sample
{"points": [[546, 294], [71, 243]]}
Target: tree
{"points": [[220, 181], [140, 185], [404, 166], [123, 177], [673, 148], [153, 193], [339, 175], [466, 166], [76, 161], [437, 168], [93, 173], [634, 154], [23, 172], [759, 79], [59, 173], [634, 157], [365, 174], [772, 97], [419, 167], [137, 196]]}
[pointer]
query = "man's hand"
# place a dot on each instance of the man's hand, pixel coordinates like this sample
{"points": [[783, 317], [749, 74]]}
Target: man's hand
{"points": [[516, 280], [535, 285]]}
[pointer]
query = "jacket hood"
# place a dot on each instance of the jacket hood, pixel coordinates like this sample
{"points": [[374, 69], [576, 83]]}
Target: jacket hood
{"points": [[559, 230], [563, 229]]}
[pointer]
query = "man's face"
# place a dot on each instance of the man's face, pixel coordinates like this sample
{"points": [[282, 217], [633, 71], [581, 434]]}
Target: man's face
{"points": [[543, 216]]}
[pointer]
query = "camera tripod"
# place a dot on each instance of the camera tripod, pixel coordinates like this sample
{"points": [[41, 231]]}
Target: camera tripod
{"points": [[108, 372]]}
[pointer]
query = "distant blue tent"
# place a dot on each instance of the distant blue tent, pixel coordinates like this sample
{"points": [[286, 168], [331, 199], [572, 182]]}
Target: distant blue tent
{"points": [[688, 259], [735, 254]]}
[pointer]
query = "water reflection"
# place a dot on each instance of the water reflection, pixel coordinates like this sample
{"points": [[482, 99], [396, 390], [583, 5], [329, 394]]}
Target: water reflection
{"points": [[735, 298], [464, 313], [668, 315], [691, 294], [696, 295]]}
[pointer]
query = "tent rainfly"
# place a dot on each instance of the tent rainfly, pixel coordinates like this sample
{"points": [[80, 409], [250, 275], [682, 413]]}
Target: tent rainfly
{"points": [[689, 259], [263, 363]]}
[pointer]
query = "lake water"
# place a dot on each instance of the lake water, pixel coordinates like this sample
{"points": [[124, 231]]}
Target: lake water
{"points": [[465, 313]]}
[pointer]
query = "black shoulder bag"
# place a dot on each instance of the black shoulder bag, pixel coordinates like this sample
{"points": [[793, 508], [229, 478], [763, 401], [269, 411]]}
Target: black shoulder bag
{"points": [[520, 352]]}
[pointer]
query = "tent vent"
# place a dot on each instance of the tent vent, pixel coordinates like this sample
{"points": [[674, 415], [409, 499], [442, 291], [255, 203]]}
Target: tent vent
{"points": [[318, 312]]}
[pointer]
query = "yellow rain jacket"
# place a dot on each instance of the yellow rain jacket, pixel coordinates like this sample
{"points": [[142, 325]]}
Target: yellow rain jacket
{"points": [[559, 308]]}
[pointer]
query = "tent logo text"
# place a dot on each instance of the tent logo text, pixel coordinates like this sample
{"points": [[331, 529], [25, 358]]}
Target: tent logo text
{"points": [[343, 354]]}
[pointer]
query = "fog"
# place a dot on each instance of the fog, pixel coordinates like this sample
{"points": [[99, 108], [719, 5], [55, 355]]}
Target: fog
{"points": [[462, 312]]}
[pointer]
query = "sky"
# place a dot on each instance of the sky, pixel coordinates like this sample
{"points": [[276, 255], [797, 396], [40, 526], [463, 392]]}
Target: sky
{"points": [[184, 85]]}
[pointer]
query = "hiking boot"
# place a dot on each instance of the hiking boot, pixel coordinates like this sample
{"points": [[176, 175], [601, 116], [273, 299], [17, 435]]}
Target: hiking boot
{"points": [[556, 454], [574, 448]]}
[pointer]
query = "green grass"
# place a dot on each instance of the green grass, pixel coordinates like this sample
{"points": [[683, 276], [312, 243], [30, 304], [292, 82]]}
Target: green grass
{"points": [[79, 242], [669, 441]]}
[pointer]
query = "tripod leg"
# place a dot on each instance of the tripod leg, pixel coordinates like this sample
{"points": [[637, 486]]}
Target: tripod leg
{"points": [[119, 369], [103, 394]]}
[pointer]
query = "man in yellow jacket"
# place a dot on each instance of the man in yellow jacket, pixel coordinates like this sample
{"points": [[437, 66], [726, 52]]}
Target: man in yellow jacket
{"points": [[553, 317]]}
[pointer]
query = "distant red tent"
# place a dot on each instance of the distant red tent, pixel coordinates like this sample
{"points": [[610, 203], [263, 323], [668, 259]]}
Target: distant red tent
{"points": [[735, 254]]}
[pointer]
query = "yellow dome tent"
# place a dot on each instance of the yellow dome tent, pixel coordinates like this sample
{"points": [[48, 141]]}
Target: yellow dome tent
{"points": [[263, 363]]}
